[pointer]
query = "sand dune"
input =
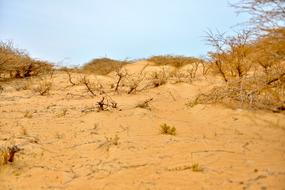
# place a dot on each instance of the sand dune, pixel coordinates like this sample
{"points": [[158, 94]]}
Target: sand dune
{"points": [[67, 144]]}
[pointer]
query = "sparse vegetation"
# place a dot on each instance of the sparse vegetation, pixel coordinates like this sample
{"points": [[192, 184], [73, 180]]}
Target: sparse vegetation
{"points": [[88, 86], [106, 103], [159, 78], [167, 130], [196, 168], [251, 64], [175, 61], [7, 154], [15, 63], [43, 87], [103, 66]]}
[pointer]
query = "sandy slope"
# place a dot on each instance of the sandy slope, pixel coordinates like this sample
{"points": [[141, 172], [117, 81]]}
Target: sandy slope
{"points": [[65, 144]]}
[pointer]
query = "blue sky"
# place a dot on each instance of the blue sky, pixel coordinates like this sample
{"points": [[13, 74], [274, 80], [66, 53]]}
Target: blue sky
{"points": [[78, 30]]}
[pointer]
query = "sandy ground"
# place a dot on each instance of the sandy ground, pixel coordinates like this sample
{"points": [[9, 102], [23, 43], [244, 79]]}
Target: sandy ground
{"points": [[67, 144]]}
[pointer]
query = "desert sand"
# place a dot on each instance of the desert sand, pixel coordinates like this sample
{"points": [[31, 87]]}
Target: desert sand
{"points": [[67, 144]]}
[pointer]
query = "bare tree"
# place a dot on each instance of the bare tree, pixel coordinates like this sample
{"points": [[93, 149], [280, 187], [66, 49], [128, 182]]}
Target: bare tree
{"points": [[265, 13]]}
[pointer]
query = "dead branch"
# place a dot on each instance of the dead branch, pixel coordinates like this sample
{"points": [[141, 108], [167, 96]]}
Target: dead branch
{"points": [[86, 82], [70, 78], [106, 103]]}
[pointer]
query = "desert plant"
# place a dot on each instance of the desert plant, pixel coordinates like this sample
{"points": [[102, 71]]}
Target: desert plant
{"points": [[88, 86], [175, 61], [43, 87], [7, 154], [133, 83], [159, 78], [69, 77], [106, 103], [103, 66], [167, 130], [15, 63], [196, 168], [265, 91], [120, 74], [231, 54]]}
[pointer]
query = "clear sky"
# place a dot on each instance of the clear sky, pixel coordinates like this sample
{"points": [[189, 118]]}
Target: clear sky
{"points": [[78, 30]]}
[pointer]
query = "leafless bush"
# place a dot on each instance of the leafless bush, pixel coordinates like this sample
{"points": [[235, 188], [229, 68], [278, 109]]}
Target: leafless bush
{"points": [[133, 83], [120, 74], [106, 103], [92, 87], [43, 87], [180, 76], [159, 78], [265, 13], [263, 91], [70, 80]]}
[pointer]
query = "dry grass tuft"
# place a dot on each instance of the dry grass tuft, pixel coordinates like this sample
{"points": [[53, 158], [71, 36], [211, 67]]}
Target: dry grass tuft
{"points": [[167, 130]]}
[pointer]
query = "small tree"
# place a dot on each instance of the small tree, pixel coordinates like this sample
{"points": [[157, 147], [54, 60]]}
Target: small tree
{"points": [[230, 55]]}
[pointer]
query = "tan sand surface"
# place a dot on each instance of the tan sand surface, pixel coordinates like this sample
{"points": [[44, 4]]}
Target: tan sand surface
{"points": [[67, 144]]}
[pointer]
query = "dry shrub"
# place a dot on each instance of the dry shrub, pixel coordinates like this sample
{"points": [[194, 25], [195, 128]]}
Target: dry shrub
{"points": [[231, 54], [262, 91], [7, 154], [253, 69], [103, 66], [167, 129], [106, 103], [159, 78], [92, 86], [186, 75], [43, 87], [133, 82], [175, 61], [15, 63], [121, 74], [180, 76], [69, 72], [269, 49]]}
